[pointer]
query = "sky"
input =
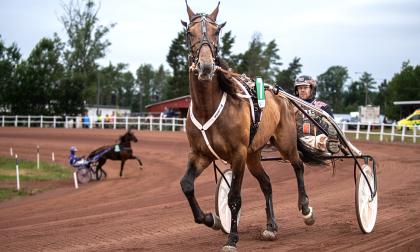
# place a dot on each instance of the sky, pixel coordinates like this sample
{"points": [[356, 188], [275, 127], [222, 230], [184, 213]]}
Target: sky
{"points": [[374, 36]]}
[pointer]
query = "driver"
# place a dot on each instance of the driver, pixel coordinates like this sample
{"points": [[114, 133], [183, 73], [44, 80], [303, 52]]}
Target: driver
{"points": [[305, 89], [74, 160]]}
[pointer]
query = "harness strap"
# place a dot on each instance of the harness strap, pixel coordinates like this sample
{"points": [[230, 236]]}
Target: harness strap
{"points": [[247, 95], [210, 122]]}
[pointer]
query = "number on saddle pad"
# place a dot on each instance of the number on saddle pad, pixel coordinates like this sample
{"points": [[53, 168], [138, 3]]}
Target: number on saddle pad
{"points": [[117, 148]]}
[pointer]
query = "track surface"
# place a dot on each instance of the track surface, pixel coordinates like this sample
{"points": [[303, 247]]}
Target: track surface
{"points": [[146, 210]]}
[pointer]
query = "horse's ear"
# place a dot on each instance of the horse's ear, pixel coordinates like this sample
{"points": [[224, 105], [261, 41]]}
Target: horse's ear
{"points": [[191, 14], [213, 15], [220, 26], [185, 24]]}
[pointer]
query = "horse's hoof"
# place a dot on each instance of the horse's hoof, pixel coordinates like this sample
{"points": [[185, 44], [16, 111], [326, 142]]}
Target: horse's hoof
{"points": [[268, 235], [228, 248], [309, 219], [217, 225]]}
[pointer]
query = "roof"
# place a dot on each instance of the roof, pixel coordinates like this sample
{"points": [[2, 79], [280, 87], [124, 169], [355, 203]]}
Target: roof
{"points": [[168, 101], [406, 102]]}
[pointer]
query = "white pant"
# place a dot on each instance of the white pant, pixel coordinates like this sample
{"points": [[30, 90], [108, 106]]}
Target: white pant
{"points": [[317, 142]]}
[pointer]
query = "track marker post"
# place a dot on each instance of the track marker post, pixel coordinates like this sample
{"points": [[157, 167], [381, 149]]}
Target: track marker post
{"points": [[76, 185], [37, 156], [11, 151], [53, 156], [17, 173]]}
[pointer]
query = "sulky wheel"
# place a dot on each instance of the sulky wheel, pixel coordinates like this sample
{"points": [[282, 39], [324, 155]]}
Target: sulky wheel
{"points": [[366, 206], [83, 175], [222, 208]]}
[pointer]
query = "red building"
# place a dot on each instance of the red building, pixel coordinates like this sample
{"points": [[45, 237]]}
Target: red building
{"points": [[174, 107]]}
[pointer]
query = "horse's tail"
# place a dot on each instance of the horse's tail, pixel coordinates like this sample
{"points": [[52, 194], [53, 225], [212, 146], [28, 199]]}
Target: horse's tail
{"points": [[310, 155]]}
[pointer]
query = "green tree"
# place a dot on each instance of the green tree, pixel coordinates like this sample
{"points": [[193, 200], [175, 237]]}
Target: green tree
{"points": [[177, 59], [160, 81], [286, 78], [330, 86], [40, 77], [10, 58], [86, 44], [226, 45], [116, 85], [404, 86], [145, 76], [368, 84], [260, 59]]}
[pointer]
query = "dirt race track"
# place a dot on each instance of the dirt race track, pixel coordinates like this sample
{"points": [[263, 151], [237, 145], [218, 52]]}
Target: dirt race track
{"points": [[146, 210]]}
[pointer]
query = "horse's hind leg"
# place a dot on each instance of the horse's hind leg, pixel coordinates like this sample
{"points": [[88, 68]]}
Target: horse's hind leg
{"points": [[257, 170], [122, 167], [303, 200], [195, 166], [288, 149], [101, 162]]}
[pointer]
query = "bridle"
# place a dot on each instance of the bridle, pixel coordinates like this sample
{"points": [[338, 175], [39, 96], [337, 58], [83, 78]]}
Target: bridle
{"points": [[204, 39]]}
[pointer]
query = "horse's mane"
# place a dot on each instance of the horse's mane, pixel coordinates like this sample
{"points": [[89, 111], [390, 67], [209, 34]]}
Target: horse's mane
{"points": [[225, 78]]}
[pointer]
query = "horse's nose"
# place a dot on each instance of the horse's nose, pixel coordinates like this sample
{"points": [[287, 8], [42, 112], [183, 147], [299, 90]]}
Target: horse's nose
{"points": [[205, 69]]}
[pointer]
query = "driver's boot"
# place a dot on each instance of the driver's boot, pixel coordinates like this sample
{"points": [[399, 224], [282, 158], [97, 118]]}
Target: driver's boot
{"points": [[333, 143]]}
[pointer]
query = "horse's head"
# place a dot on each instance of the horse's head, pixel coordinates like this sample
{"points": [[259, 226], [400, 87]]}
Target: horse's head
{"points": [[128, 137], [203, 41]]}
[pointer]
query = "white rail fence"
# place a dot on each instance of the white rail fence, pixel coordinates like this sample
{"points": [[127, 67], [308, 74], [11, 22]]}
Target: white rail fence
{"points": [[141, 123], [381, 132]]}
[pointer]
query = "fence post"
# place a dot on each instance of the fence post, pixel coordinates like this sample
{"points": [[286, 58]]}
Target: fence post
{"points": [[115, 122], [126, 122], [160, 123], [403, 134], [16, 120], [344, 127], [54, 122], [381, 137], [184, 124], [357, 130], [29, 121], [42, 120], [368, 131], [392, 132], [2, 121], [66, 126], [414, 134], [173, 123], [138, 122], [151, 123]]}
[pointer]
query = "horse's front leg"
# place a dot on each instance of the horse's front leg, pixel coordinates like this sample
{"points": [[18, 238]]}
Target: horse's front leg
{"points": [[138, 160], [196, 164], [303, 200], [234, 200]]}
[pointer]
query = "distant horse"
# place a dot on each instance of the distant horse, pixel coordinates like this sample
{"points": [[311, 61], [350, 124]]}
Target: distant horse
{"points": [[218, 127], [121, 151]]}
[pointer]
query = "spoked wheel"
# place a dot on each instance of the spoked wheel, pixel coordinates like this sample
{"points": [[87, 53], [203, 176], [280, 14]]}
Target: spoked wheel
{"points": [[96, 174], [83, 175], [366, 206], [222, 208]]}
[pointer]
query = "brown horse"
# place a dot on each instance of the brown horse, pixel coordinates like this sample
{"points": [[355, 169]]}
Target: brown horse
{"points": [[226, 129], [121, 151]]}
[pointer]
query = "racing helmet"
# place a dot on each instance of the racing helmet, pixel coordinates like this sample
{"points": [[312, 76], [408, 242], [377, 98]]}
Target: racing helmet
{"points": [[305, 80], [73, 149]]}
